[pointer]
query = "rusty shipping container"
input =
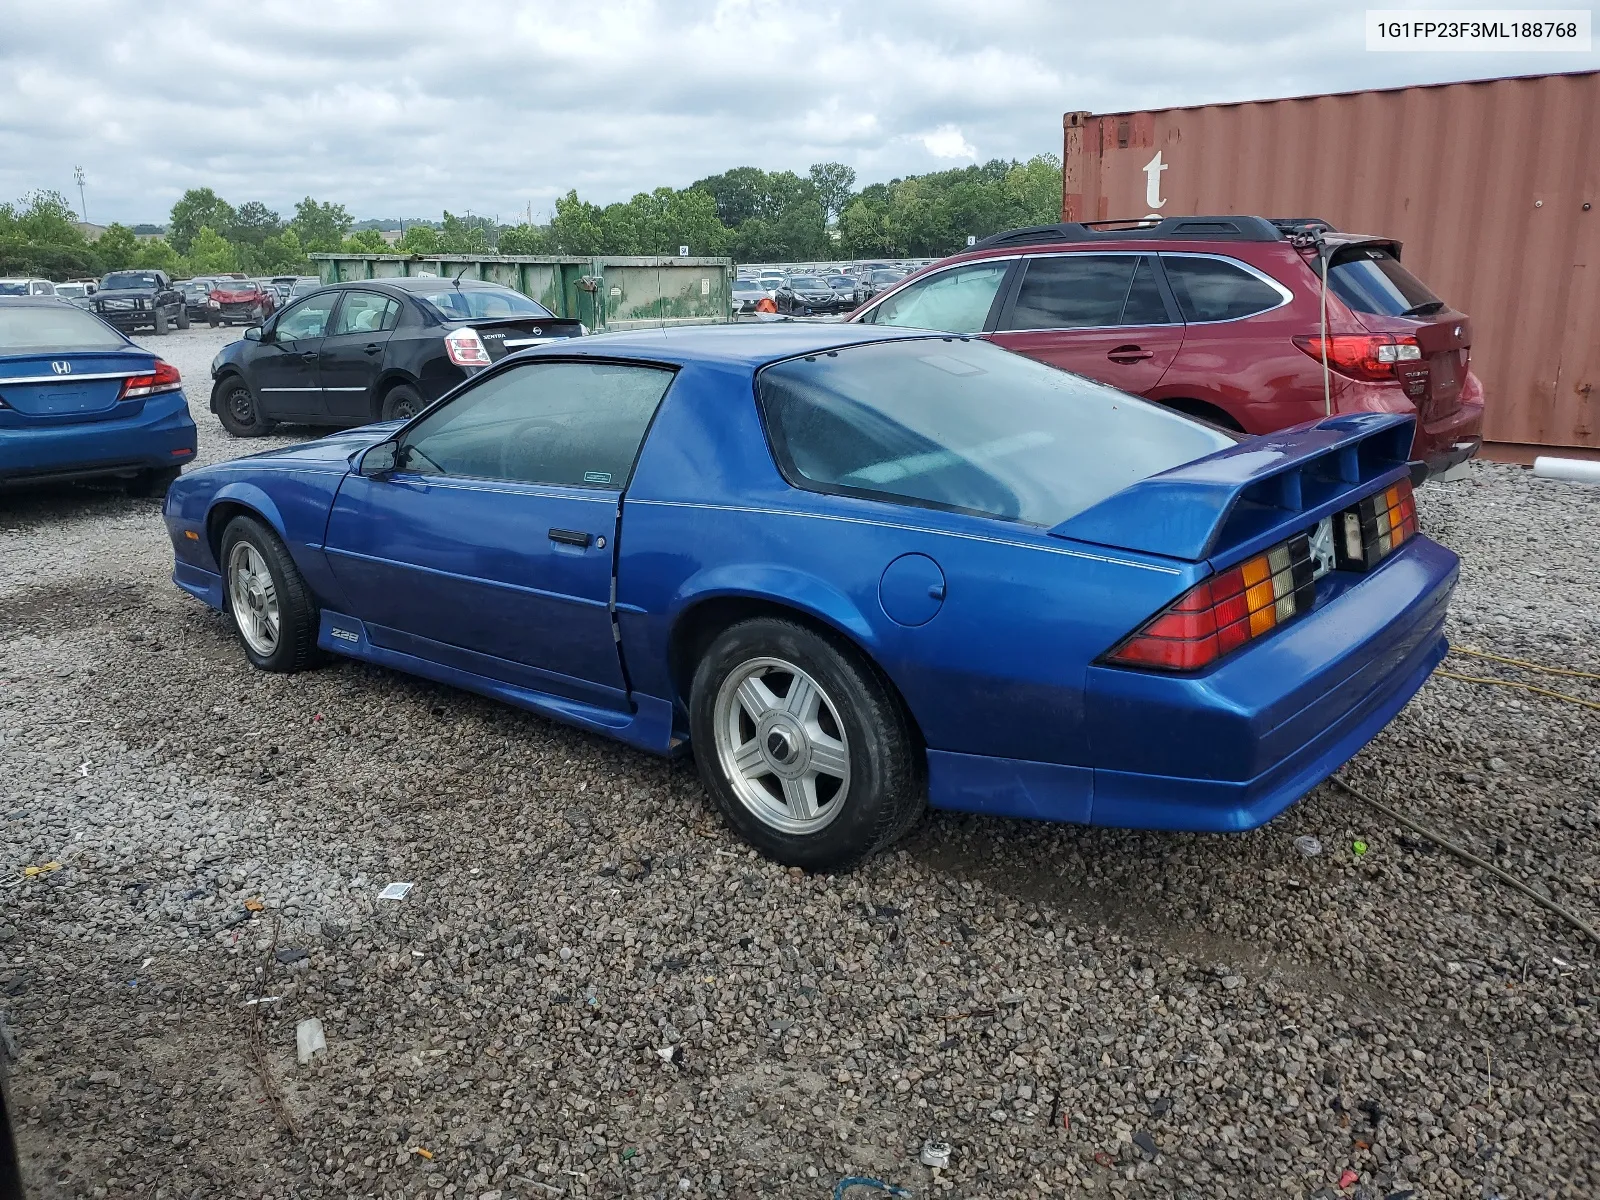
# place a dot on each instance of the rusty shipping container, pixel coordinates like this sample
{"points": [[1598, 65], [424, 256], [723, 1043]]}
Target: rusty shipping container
{"points": [[1492, 186]]}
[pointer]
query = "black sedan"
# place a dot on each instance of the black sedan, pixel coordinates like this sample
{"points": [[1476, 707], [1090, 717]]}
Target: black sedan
{"points": [[373, 349], [808, 295]]}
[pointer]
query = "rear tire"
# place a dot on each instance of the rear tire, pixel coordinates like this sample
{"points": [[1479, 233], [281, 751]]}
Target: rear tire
{"points": [[213, 322], [272, 609], [401, 403], [161, 323], [236, 408], [826, 776], [153, 482]]}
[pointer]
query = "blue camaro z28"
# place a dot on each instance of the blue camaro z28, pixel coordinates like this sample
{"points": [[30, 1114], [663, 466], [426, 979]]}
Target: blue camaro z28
{"points": [[859, 571]]}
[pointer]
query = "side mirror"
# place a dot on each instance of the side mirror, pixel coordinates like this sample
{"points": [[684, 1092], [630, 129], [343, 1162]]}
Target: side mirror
{"points": [[253, 334], [380, 459]]}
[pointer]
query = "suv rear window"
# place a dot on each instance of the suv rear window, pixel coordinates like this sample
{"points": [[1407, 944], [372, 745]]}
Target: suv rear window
{"points": [[1212, 289], [1083, 291], [1371, 280], [967, 427]]}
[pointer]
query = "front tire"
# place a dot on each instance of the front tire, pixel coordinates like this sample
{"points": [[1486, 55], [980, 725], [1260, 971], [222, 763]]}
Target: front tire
{"points": [[806, 751], [237, 409], [183, 318], [160, 323], [272, 609], [402, 402]]}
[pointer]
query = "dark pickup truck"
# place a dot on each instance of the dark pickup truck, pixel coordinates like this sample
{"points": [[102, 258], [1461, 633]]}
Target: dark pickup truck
{"points": [[134, 300]]}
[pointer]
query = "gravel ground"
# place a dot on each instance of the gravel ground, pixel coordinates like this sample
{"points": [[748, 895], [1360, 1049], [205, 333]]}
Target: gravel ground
{"points": [[593, 990]]}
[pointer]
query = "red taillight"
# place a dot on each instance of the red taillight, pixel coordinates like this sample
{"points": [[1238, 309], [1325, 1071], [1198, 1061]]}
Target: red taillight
{"points": [[1220, 614], [165, 379], [466, 348], [1367, 356]]}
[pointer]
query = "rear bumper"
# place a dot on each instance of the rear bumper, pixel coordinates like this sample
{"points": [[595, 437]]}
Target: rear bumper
{"points": [[161, 434], [1229, 749], [1451, 440]]}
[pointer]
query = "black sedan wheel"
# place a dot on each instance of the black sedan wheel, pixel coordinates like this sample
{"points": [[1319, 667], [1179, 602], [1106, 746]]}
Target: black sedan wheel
{"points": [[401, 403], [809, 755], [271, 606], [236, 408]]}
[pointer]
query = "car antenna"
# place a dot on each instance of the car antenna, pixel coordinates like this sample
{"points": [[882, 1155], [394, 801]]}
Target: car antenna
{"points": [[456, 282]]}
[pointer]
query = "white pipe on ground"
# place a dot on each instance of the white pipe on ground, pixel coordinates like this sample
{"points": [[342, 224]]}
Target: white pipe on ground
{"points": [[1575, 470]]}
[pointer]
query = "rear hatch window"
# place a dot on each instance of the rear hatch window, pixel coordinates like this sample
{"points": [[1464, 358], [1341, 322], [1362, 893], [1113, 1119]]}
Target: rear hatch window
{"points": [[1371, 280], [967, 427]]}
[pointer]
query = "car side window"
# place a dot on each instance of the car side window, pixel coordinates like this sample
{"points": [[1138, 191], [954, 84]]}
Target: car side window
{"points": [[1210, 289], [955, 301], [308, 319], [574, 424], [1084, 291], [365, 312]]}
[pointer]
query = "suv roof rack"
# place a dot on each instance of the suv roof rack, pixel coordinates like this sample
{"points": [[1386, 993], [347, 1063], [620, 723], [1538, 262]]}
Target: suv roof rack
{"points": [[1228, 228]]}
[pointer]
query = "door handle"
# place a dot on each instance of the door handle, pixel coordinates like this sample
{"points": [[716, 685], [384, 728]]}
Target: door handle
{"points": [[1128, 354], [309, 356], [569, 537], [371, 348]]}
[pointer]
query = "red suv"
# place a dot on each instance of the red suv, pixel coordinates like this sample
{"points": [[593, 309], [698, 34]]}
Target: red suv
{"points": [[1220, 317]]}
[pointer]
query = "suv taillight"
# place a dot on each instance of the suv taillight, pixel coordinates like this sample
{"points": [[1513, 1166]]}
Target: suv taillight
{"points": [[466, 348], [164, 379], [1220, 614], [1366, 356]]}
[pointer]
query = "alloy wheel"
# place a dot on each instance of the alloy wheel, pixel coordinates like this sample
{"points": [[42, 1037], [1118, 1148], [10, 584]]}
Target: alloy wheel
{"points": [[253, 598], [781, 745]]}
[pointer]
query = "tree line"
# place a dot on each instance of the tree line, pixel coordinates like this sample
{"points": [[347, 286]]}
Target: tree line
{"points": [[746, 213]]}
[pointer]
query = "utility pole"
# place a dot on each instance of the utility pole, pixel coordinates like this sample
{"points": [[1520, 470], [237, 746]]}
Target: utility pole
{"points": [[77, 173]]}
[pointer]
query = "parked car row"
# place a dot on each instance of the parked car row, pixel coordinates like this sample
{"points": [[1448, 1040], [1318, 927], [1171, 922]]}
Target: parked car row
{"points": [[1205, 587], [808, 294]]}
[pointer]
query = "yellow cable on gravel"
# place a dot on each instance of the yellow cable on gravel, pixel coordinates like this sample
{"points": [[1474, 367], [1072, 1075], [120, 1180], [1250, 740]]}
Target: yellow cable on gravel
{"points": [[1468, 856], [1526, 687], [1522, 662]]}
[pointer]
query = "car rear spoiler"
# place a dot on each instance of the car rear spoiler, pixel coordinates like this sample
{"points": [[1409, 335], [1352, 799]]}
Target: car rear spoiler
{"points": [[1240, 501]]}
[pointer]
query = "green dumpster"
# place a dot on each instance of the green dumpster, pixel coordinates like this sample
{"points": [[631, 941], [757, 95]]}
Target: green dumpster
{"points": [[606, 292]]}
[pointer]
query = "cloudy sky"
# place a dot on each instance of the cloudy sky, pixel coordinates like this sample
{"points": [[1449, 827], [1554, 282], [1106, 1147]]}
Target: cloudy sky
{"points": [[406, 107]]}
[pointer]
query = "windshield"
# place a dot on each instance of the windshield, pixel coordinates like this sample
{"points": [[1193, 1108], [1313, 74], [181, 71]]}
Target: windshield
{"points": [[70, 289], [746, 285], [52, 328], [460, 304], [969, 427], [808, 281], [125, 280], [887, 276], [1371, 280], [234, 286], [13, 287], [841, 281], [196, 288]]}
